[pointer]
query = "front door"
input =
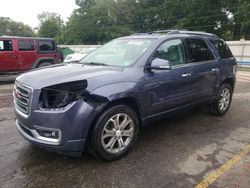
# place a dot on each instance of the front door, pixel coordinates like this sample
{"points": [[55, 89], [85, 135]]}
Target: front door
{"points": [[169, 89]]}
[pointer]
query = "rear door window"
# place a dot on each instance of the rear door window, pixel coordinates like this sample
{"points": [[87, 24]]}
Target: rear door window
{"points": [[6, 45], [46, 45], [222, 48], [26, 45], [198, 50]]}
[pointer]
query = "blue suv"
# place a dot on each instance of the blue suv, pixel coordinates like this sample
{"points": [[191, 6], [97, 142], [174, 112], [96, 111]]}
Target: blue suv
{"points": [[104, 99]]}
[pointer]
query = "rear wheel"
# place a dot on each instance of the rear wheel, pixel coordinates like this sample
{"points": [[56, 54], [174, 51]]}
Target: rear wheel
{"points": [[115, 133], [43, 64], [223, 100]]}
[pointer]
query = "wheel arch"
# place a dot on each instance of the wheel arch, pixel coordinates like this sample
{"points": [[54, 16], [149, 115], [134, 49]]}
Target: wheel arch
{"points": [[41, 60], [127, 101], [230, 81]]}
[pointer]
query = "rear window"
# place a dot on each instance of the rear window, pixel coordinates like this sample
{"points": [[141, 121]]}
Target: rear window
{"points": [[6, 45], [46, 45], [198, 50], [26, 45], [222, 48]]}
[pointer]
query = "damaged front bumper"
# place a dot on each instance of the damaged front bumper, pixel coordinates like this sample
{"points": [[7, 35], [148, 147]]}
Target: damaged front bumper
{"points": [[63, 132]]}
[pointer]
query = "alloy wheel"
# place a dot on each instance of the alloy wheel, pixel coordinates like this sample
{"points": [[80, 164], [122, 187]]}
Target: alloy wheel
{"points": [[117, 133], [224, 100]]}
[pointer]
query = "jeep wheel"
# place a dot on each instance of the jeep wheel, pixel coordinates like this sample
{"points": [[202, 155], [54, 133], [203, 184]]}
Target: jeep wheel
{"points": [[43, 64], [115, 133], [223, 100]]}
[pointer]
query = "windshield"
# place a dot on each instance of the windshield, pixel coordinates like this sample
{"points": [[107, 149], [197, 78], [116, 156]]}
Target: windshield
{"points": [[119, 52], [87, 50]]}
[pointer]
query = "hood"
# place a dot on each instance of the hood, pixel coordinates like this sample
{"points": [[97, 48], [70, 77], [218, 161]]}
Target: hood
{"points": [[62, 73]]}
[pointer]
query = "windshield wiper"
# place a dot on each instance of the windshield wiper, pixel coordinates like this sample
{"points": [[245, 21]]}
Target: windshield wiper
{"points": [[73, 62], [96, 63]]}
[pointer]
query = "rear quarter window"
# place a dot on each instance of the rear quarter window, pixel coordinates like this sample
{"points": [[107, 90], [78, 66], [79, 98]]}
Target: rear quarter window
{"points": [[222, 48], [46, 45]]}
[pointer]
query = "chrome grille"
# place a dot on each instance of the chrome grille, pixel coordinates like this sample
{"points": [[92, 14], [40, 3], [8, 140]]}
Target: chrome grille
{"points": [[22, 98]]}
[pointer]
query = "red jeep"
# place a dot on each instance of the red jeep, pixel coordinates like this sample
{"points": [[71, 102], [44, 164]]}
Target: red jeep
{"points": [[18, 54]]}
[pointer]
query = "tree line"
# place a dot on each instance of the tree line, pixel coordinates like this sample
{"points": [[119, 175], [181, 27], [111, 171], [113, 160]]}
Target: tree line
{"points": [[98, 21]]}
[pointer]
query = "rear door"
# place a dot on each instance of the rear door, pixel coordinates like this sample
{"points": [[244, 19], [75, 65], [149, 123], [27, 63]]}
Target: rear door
{"points": [[205, 67], [26, 53], [8, 57]]}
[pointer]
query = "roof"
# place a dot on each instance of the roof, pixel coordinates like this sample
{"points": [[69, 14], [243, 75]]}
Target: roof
{"points": [[16, 37]]}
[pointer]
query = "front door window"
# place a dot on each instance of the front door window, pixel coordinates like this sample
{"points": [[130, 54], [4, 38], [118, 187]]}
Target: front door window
{"points": [[172, 51]]}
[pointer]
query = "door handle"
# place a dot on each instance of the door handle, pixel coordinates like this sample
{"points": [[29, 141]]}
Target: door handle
{"points": [[215, 70], [186, 75]]}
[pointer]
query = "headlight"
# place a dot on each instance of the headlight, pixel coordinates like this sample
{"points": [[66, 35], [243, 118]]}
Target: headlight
{"points": [[59, 96]]}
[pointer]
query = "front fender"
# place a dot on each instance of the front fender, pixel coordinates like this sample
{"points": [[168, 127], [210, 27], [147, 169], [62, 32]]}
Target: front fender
{"points": [[116, 90]]}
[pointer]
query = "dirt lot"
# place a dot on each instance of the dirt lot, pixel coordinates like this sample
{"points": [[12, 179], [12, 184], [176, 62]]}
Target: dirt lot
{"points": [[176, 152]]}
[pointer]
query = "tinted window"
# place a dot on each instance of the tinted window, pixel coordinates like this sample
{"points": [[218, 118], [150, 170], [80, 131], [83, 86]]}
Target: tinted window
{"points": [[198, 50], [46, 45], [6, 45], [222, 48], [172, 50], [26, 45]]}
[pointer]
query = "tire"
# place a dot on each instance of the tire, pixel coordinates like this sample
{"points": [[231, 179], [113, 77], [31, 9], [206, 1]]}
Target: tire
{"points": [[223, 100], [110, 140], [43, 64]]}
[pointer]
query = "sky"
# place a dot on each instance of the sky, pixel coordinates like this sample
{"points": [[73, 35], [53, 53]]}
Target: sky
{"points": [[26, 10]]}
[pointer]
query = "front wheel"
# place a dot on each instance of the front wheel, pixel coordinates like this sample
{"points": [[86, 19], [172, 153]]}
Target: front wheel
{"points": [[223, 100], [115, 133]]}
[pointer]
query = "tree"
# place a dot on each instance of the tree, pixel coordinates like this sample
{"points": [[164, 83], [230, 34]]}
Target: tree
{"points": [[239, 13], [50, 25], [12, 28], [97, 21]]}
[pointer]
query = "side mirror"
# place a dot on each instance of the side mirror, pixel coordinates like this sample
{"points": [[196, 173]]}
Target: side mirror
{"points": [[159, 64]]}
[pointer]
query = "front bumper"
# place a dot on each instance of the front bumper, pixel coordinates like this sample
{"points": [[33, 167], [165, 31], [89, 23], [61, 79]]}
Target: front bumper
{"points": [[71, 147], [72, 126]]}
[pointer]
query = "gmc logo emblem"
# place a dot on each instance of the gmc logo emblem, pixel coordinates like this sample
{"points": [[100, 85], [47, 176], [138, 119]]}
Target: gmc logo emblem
{"points": [[18, 94]]}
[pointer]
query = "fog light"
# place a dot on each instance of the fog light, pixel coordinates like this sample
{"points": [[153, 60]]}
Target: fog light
{"points": [[48, 134]]}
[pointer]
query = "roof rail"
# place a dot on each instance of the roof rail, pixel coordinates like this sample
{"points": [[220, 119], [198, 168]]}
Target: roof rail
{"points": [[17, 37], [140, 33], [183, 31], [175, 31], [171, 31], [196, 33]]}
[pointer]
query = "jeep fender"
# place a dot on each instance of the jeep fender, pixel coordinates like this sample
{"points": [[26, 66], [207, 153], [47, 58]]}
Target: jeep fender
{"points": [[43, 59]]}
